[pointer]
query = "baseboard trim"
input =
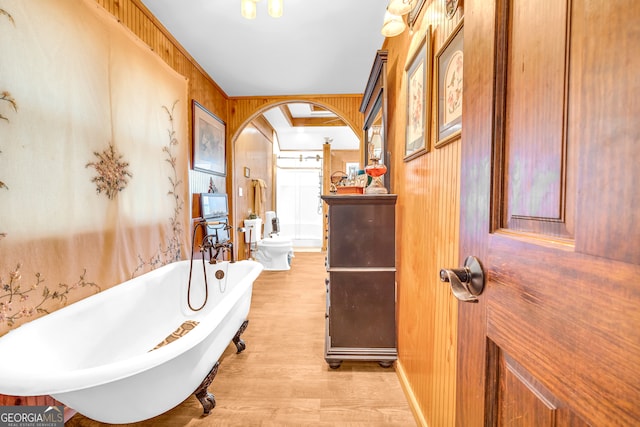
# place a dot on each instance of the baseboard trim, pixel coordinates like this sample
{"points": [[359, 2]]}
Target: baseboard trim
{"points": [[411, 398]]}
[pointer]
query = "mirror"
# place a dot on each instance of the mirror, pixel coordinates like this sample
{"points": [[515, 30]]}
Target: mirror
{"points": [[374, 108]]}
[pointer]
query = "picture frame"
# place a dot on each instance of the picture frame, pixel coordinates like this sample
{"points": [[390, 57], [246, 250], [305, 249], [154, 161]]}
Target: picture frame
{"points": [[450, 66], [418, 99], [451, 6], [209, 142], [414, 12]]}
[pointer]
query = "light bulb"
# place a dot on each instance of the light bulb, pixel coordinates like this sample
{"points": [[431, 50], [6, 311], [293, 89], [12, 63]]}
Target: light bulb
{"points": [[275, 8], [248, 9]]}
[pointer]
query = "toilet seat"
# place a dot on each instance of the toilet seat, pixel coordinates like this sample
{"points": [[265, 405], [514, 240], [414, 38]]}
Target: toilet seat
{"points": [[274, 241], [274, 253]]}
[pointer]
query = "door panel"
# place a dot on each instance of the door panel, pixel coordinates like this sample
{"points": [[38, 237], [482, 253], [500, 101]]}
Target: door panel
{"points": [[550, 204], [604, 106], [524, 401], [566, 318], [535, 112]]}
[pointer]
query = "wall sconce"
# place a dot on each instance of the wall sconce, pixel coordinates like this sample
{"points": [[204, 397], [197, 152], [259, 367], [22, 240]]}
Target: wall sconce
{"points": [[393, 22], [400, 7], [248, 8], [392, 25]]}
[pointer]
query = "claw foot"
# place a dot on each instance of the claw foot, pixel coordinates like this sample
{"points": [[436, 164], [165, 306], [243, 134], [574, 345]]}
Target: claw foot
{"points": [[207, 400], [240, 345]]}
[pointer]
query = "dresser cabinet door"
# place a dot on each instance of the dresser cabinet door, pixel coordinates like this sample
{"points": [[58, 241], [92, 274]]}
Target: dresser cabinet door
{"points": [[362, 235], [362, 309]]}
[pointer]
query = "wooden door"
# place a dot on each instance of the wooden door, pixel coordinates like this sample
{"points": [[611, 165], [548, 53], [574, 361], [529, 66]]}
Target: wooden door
{"points": [[550, 204]]}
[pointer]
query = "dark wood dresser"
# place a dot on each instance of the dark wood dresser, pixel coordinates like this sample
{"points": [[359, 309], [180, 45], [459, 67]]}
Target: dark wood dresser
{"points": [[361, 287]]}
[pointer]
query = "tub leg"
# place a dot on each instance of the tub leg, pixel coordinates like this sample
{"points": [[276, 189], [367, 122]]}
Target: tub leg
{"points": [[207, 400], [240, 345]]}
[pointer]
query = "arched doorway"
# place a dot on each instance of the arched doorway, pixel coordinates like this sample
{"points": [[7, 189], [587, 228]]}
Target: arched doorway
{"points": [[282, 145]]}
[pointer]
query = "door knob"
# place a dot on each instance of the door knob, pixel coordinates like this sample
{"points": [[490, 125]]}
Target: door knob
{"points": [[466, 282]]}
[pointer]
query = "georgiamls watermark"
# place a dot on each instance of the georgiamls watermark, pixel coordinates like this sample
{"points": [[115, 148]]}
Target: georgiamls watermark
{"points": [[31, 416]]}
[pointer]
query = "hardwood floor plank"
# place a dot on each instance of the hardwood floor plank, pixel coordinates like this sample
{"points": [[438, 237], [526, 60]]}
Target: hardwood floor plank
{"points": [[281, 379]]}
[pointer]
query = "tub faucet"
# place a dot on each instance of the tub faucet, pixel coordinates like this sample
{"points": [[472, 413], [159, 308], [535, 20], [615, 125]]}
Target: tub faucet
{"points": [[210, 243], [225, 247]]}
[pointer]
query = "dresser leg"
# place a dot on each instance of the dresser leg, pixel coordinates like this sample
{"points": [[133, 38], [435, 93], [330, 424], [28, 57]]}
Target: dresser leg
{"points": [[334, 364]]}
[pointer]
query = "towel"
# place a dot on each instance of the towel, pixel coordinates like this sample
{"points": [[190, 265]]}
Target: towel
{"points": [[259, 194]]}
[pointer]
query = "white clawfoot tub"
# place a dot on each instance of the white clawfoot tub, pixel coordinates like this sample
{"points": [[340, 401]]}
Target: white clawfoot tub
{"points": [[97, 355]]}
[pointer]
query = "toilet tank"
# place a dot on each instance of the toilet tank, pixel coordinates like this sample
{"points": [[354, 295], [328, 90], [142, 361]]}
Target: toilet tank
{"points": [[269, 216]]}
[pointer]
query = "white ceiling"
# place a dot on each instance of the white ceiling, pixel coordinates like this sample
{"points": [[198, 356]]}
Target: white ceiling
{"points": [[309, 137], [316, 47]]}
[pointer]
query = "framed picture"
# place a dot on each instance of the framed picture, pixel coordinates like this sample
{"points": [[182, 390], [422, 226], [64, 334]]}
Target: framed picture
{"points": [[451, 7], [209, 142], [414, 12], [449, 65], [418, 78]]}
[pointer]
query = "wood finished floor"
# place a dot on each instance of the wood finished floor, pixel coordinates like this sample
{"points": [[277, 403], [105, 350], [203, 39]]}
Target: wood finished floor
{"points": [[281, 379]]}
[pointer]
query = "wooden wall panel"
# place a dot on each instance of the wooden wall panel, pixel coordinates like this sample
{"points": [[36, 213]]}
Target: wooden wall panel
{"points": [[340, 158], [427, 237]]}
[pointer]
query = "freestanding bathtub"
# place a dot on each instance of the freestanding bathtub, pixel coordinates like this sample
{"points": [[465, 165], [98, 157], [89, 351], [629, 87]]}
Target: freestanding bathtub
{"points": [[100, 355]]}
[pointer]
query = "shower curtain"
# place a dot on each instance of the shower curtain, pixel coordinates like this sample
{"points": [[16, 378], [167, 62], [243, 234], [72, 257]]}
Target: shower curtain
{"points": [[93, 157]]}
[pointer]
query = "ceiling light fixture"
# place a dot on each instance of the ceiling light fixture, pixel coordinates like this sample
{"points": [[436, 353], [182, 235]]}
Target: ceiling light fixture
{"points": [[248, 8], [275, 8]]}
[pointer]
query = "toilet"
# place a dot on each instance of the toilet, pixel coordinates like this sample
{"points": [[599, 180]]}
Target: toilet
{"points": [[273, 251]]}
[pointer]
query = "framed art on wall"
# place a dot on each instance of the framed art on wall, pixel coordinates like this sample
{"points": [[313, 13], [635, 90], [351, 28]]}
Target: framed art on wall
{"points": [[209, 142], [449, 65], [451, 6], [414, 12], [418, 76]]}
